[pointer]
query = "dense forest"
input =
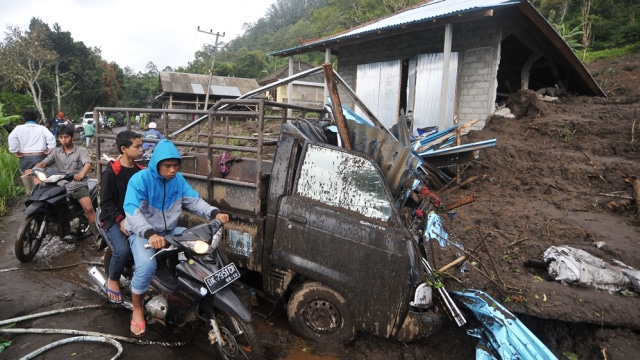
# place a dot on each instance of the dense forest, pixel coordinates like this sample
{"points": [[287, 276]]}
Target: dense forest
{"points": [[44, 67]]}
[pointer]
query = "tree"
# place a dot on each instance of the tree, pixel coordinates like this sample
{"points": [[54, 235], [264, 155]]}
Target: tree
{"points": [[252, 65], [26, 58], [587, 35]]}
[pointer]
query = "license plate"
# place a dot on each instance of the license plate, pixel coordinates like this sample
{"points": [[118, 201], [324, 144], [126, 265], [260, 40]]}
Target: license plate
{"points": [[222, 278]]}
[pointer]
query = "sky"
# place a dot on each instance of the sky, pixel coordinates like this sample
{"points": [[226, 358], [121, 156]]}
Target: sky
{"points": [[134, 32]]}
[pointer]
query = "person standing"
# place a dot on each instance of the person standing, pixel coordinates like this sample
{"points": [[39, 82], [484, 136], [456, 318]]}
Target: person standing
{"points": [[153, 203], [57, 121], [31, 143], [152, 133], [113, 188], [89, 131]]}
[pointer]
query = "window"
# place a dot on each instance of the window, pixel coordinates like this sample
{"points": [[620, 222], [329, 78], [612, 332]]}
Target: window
{"points": [[341, 179]]}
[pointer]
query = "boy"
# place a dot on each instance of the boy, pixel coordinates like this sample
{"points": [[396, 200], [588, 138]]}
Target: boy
{"points": [[153, 203], [113, 188], [72, 159]]}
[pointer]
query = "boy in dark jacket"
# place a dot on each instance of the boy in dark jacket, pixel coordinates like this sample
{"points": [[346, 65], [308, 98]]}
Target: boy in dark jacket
{"points": [[114, 186]]}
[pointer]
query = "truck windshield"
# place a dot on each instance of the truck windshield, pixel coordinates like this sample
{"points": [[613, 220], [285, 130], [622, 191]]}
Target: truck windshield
{"points": [[341, 179]]}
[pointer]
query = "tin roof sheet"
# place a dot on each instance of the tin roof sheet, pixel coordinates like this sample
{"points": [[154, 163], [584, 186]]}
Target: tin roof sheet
{"points": [[419, 13], [183, 83]]}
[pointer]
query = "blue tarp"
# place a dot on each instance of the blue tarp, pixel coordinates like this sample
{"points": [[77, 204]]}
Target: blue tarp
{"points": [[502, 336]]}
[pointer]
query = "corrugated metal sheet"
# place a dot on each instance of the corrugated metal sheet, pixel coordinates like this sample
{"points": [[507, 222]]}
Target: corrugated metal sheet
{"points": [[426, 104], [397, 162], [418, 14], [183, 83]]}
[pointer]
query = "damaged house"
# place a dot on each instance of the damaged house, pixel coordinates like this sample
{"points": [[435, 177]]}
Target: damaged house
{"points": [[482, 50]]}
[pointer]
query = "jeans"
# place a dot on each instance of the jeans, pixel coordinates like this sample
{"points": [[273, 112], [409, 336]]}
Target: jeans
{"points": [[27, 162], [121, 251], [145, 266]]}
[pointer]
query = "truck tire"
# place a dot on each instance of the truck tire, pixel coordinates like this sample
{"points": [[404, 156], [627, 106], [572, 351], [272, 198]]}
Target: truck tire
{"points": [[319, 313]]}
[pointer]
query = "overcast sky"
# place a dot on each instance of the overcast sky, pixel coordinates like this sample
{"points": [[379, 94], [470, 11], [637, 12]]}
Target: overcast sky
{"points": [[134, 32]]}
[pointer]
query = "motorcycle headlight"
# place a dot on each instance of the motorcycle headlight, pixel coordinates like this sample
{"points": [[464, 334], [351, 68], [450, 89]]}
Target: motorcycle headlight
{"points": [[198, 246]]}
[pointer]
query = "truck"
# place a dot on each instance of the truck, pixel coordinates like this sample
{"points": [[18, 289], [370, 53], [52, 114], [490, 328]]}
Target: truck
{"points": [[326, 233]]}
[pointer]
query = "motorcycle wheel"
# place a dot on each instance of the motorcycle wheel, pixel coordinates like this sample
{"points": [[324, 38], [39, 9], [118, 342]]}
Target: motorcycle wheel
{"points": [[29, 238], [240, 339], [319, 313]]}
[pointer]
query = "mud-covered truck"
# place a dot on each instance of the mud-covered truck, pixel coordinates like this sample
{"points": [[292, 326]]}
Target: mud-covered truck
{"points": [[331, 233]]}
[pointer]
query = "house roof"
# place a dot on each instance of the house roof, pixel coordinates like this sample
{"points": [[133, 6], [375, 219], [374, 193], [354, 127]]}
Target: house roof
{"points": [[440, 12], [196, 84]]}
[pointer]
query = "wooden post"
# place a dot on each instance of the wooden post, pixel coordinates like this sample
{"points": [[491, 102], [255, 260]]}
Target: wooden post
{"points": [[341, 122], [636, 194]]}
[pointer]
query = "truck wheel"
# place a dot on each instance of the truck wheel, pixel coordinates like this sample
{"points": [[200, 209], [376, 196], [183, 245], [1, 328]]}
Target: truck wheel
{"points": [[319, 313], [30, 235]]}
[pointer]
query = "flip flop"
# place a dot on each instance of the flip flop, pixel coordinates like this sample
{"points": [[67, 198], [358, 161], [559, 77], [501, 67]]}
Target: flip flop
{"points": [[114, 293], [142, 327]]}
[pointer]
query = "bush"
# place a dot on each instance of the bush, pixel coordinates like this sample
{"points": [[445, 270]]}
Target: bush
{"points": [[10, 166]]}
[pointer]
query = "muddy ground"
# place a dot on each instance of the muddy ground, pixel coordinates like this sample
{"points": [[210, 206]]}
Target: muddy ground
{"points": [[559, 175]]}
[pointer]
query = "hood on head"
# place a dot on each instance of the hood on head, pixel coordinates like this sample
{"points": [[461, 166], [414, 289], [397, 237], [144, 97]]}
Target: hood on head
{"points": [[164, 150]]}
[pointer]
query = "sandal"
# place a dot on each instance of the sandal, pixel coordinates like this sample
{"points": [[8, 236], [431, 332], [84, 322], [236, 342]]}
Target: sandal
{"points": [[142, 327], [116, 294]]}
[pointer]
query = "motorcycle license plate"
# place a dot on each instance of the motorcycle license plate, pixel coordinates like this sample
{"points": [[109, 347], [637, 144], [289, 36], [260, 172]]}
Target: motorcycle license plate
{"points": [[222, 278]]}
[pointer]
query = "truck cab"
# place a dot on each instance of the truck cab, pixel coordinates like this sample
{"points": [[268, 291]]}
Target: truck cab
{"points": [[335, 240]]}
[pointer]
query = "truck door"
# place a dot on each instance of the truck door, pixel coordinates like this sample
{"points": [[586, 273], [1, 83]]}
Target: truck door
{"points": [[339, 227]]}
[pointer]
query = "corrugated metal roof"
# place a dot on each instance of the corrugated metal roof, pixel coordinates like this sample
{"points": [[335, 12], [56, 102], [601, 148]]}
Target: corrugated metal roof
{"points": [[183, 83], [417, 14]]}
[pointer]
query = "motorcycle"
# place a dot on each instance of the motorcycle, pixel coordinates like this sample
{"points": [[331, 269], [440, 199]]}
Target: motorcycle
{"points": [[191, 284], [52, 212]]}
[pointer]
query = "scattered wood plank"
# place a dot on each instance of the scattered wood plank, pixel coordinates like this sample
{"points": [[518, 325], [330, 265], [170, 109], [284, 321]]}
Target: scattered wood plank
{"points": [[464, 201]]}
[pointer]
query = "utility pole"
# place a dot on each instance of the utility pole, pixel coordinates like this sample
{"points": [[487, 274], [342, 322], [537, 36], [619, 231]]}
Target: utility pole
{"points": [[213, 60]]}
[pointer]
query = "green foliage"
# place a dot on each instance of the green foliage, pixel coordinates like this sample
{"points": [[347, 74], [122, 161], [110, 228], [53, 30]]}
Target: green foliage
{"points": [[7, 121], [566, 132], [252, 65], [10, 166], [15, 103], [611, 53]]}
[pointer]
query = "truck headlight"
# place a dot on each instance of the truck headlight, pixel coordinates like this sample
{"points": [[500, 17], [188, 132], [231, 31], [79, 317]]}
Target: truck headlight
{"points": [[423, 297]]}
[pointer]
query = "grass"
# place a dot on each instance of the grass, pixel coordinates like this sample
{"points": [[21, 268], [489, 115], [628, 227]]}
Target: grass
{"points": [[10, 165], [566, 132], [611, 53]]}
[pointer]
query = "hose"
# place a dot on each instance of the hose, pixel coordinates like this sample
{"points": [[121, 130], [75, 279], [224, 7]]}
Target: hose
{"points": [[43, 349], [81, 335]]}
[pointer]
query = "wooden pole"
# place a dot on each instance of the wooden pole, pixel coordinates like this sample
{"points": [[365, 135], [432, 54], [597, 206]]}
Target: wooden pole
{"points": [[636, 194], [341, 122]]}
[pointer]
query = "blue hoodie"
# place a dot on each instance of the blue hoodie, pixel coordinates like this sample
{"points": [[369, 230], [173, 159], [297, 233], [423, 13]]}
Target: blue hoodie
{"points": [[153, 204]]}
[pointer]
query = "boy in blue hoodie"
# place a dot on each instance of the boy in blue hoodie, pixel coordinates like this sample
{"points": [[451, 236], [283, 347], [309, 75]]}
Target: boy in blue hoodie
{"points": [[153, 203]]}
